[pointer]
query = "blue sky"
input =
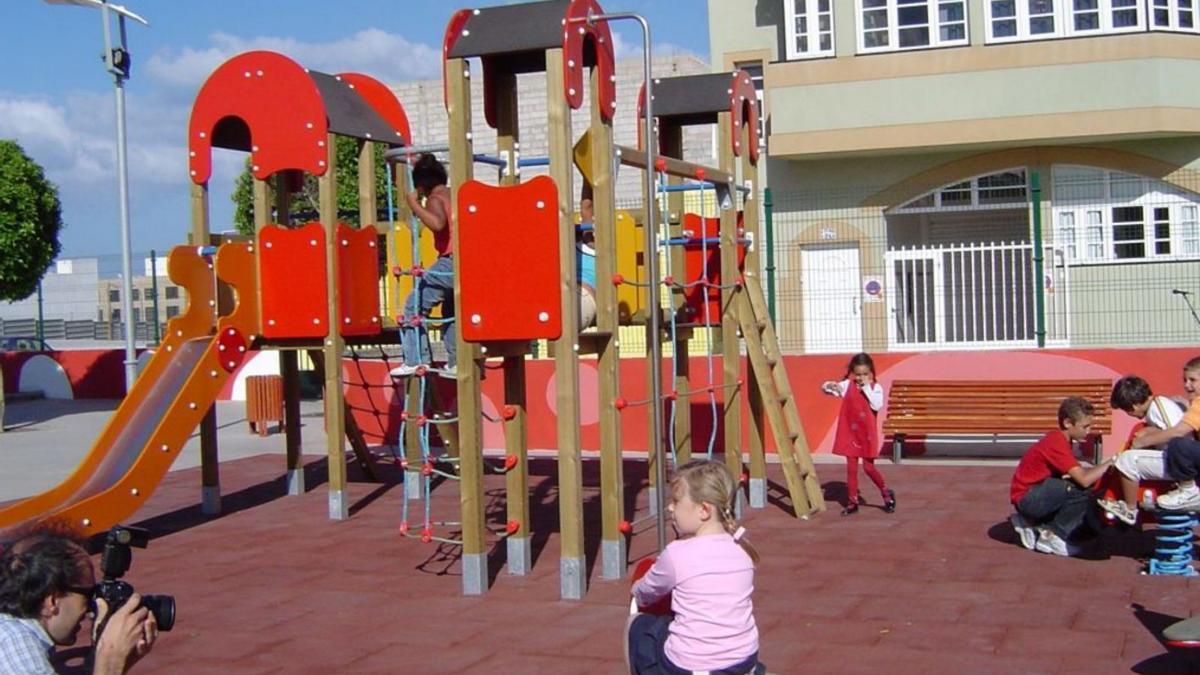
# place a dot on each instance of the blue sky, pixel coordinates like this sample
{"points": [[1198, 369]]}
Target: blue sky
{"points": [[57, 101]]}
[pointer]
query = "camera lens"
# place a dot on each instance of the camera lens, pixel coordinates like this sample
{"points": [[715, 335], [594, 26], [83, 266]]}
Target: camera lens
{"points": [[163, 609]]}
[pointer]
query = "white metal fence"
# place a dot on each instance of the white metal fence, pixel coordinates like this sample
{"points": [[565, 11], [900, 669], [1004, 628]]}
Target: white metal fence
{"points": [[974, 295]]}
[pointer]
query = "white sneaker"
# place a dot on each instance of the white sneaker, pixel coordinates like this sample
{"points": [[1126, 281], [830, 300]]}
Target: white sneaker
{"points": [[450, 373], [1120, 510], [403, 370], [1049, 542], [1024, 530], [1181, 499]]}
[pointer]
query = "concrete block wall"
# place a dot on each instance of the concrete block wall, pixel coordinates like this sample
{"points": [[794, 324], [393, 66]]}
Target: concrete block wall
{"points": [[423, 101]]}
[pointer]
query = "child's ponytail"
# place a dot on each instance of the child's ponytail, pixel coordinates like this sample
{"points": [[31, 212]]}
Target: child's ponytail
{"points": [[738, 533]]}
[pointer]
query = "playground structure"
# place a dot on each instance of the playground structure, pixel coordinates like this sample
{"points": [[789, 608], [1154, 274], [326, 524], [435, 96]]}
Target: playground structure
{"points": [[316, 286], [244, 296]]}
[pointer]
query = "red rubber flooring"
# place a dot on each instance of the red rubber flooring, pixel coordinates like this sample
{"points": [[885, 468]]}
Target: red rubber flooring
{"points": [[938, 587]]}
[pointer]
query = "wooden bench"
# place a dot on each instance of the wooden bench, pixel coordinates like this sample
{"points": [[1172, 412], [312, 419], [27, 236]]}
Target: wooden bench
{"points": [[922, 407]]}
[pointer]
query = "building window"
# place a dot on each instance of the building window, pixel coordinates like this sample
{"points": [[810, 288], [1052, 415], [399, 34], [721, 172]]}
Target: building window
{"points": [[1002, 189], [172, 292], [1017, 20], [755, 70], [1174, 15], [892, 25], [114, 295], [1109, 216], [137, 315], [137, 294], [809, 27], [172, 311], [116, 315]]}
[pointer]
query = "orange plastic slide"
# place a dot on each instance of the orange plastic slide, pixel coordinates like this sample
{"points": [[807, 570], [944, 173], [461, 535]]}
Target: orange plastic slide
{"points": [[167, 402]]}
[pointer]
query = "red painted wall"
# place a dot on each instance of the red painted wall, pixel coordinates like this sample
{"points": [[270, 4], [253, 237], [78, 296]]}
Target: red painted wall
{"points": [[93, 373], [376, 407]]}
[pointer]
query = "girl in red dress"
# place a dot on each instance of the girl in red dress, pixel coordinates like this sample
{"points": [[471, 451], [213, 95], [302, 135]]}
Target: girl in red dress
{"points": [[857, 433]]}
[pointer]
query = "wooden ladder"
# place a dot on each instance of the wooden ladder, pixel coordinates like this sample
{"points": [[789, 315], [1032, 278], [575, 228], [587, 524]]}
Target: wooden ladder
{"points": [[766, 362]]}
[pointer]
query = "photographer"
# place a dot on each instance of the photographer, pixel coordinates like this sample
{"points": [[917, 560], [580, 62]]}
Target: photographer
{"points": [[46, 588]]}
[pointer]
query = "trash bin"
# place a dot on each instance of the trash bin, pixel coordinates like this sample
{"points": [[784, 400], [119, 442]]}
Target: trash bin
{"points": [[264, 402]]}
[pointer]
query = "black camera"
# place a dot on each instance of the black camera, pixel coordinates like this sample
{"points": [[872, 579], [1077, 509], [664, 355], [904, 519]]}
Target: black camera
{"points": [[114, 563]]}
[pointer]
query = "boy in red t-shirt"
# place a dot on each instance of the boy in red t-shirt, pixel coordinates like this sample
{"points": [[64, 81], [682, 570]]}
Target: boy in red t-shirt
{"points": [[1050, 488]]}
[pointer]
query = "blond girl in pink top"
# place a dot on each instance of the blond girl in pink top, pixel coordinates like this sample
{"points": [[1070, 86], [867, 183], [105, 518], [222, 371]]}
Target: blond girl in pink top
{"points": [[709, 574]]}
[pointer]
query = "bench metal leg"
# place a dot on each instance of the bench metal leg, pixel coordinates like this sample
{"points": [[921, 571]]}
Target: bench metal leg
{"points": [[897, 448]]}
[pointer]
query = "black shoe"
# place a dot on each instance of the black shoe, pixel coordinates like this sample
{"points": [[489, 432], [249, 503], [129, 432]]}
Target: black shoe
{"points": [[851, 509], [861, 500], [889, 502]]}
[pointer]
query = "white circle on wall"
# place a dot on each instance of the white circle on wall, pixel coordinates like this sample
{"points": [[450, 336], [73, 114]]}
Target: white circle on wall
{"points": [[44, 374]]}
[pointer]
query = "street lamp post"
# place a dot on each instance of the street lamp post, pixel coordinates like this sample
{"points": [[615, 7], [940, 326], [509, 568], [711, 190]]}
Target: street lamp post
{"points": [[116, 61]]}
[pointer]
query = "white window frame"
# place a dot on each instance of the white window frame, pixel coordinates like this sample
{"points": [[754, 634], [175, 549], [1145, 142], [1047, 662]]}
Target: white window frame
{"points": [[1064, 20], [813, 32], [963, 186], [1083, 228], [1174, 9], [893, 28]]}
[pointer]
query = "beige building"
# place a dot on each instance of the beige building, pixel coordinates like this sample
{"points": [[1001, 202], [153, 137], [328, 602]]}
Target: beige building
{"points": [[171, 300], [974, 174]]}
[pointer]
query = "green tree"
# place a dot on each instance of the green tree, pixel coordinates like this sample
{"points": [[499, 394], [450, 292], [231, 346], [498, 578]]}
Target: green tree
{"points": [[30, 218], [305, 203]]}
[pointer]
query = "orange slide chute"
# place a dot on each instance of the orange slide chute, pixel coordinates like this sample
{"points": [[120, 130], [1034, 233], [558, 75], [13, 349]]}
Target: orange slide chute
{"points": [[167, 402]]}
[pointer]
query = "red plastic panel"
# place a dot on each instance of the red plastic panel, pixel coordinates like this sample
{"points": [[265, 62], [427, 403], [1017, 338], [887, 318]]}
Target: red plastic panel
{"points": [[382, 101], [230, 348], [574, 37], [292, 278], [453, 31], [695, 257], [743, 108], [279, 104], [508, 261], [358, 280]]}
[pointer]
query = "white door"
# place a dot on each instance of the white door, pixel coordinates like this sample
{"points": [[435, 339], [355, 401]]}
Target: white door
{"points": [[831, 299]]}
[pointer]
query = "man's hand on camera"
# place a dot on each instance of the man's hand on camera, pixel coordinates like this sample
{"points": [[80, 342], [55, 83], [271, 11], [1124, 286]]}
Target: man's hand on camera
{"points": [[128, 636]]}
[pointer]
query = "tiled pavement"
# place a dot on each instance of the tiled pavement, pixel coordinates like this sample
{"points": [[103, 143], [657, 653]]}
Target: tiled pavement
{"points": [[938, 587]]}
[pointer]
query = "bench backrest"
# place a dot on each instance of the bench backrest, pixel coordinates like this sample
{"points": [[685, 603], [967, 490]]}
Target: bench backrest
{"points": [[1017, 406]]}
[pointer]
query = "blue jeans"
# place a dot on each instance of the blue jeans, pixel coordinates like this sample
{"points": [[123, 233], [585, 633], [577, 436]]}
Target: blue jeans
{"points": [[1060, 505], [436, 287]]}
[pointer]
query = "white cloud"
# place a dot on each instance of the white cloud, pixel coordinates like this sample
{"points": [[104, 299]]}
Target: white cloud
{"points": [[385, 56], [625, 48]]}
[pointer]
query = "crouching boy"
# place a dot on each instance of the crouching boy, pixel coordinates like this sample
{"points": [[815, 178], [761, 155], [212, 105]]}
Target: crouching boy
{"points": [[1050, 489]]}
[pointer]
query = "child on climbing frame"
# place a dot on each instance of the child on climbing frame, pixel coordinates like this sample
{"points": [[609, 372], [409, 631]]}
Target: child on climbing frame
{"points": [[709, 574], [430, 203], [857, 434]]}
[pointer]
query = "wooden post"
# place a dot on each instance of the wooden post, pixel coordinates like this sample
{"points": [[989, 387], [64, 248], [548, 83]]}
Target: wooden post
{"points": [[470, 363], [604, 226], [671, 142], [731, 353], [572, 565], [748, 174], [335, 427], [210, 476], [289, 367], [516, 440]]}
